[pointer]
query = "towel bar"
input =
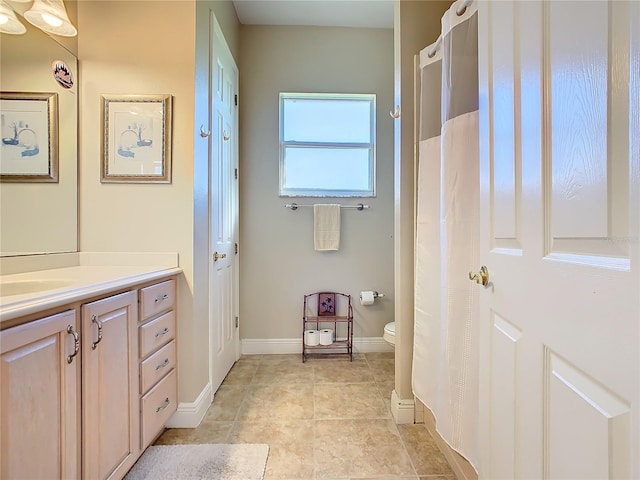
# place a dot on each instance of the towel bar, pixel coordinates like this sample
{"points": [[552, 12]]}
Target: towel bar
{"points": [[295, 206]]}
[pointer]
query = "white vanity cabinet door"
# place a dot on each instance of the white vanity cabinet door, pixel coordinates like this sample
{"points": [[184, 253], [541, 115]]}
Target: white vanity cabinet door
{"points": [[110, 379], [39, 378]]}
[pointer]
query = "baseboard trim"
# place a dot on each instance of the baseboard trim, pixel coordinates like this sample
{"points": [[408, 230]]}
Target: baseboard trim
{"points": [[403, 411], [257, 346], [190, 414]]}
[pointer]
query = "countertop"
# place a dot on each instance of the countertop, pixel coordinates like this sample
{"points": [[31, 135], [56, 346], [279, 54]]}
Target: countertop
{"points": [[79, 283]]}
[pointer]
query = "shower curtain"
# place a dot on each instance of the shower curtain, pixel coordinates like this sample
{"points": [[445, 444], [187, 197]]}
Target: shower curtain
{"points": [[445, 358]]}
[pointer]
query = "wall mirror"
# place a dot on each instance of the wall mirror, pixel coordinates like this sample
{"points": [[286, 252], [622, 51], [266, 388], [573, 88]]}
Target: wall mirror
{"points": [[41, 217]]}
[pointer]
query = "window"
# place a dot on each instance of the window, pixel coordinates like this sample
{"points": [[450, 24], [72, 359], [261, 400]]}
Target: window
{"points": [[327, 145]]}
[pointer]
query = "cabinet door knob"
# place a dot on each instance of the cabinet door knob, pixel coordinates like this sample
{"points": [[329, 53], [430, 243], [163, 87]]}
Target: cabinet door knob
{"points": [[76, 343], [161, 298], [163, 364], [162, 332], [95, 320], [164, 405]]}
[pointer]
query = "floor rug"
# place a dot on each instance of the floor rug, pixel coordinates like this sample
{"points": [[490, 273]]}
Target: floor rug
{"points": [[201, 462]]}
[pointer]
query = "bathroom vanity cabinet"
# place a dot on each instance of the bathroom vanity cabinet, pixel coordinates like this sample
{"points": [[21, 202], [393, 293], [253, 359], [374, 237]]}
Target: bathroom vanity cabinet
{"points": [[40, 399], [157, 355], [85, 390], [110, 414]]}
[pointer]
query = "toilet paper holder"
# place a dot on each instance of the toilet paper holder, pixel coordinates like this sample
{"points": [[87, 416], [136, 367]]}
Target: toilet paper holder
{"points": [[375, 294], [368, 297]]}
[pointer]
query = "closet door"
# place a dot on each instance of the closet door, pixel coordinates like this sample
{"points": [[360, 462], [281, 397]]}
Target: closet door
{"points": [[223, 210], [560, 163]]}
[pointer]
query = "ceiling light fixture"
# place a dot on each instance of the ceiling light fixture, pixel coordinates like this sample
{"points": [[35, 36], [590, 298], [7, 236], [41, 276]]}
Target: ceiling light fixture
{"points": [[9, 23], [51, 16]]}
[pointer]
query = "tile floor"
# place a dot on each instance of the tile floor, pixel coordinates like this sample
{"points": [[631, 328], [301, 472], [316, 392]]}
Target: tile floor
{"points": [[327, 418]]}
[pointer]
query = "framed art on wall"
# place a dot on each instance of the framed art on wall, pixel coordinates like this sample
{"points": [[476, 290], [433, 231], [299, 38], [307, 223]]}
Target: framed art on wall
{"points": [[326, 304], [29, 126], [136, 139]]}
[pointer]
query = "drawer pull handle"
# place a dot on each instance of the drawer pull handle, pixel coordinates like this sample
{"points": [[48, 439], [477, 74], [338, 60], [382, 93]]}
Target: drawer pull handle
{"points": [[164, 405], [162, 332], [163, 364], [161, 298], [76, 343], [95, 320]]}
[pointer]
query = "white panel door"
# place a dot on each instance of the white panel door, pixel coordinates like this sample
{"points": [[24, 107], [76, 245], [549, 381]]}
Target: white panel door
{"points": [[560, 180], [223, 209]]}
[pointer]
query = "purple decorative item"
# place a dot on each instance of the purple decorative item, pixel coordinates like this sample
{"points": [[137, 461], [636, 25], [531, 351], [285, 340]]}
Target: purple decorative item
{"points": [[62, 74], [326, 304]]}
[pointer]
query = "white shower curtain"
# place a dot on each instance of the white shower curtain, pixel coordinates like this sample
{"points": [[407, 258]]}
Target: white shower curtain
{"points": [[445, 359]]}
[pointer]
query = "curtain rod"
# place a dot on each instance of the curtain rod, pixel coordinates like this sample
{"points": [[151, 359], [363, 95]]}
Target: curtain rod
{"points": [[295, 206]]}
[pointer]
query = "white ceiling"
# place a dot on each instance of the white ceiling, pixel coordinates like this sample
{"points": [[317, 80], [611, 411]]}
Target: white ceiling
{"points": [[325, 13]]}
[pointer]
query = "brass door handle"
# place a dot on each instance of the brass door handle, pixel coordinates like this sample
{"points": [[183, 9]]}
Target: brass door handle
{"points": [[217, 255], [481, 277]]}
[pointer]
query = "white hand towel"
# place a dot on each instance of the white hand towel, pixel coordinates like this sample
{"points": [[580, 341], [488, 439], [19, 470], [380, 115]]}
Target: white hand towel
{"points": [[326, 226]]}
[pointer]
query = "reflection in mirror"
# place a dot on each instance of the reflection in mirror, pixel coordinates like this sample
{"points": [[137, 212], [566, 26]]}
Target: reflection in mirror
{"points": [[37, 217]]}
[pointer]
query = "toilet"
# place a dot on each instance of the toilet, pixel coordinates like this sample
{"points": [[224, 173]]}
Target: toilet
{"points": [[390, 333]]}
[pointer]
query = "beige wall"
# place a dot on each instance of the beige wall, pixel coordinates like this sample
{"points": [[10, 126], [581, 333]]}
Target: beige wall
{"points": [[147, 47], [278, 264], [417, 24]]}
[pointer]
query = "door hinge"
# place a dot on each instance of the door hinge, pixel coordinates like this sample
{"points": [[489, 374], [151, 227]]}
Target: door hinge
{"points": [[236, 248], [235, 173], [237, 322], [235, 99]]}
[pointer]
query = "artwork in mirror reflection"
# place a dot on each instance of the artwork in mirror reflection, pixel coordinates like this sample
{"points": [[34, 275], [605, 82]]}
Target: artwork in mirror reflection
{"points": [[39, 168], [137, 138], [28, 122]]}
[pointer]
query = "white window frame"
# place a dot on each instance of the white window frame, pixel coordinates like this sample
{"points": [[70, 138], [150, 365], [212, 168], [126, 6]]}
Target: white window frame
{"points": [[300, 192]]}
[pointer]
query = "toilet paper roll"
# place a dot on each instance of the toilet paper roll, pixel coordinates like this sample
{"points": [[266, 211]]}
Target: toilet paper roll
{"points": [[311, 338], [326, 337], [367, 298]]}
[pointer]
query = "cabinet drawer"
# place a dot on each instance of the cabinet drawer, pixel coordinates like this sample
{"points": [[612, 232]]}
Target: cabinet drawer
{"points": [[157, 365], [157, 406], [157, 298], [157, 333]]}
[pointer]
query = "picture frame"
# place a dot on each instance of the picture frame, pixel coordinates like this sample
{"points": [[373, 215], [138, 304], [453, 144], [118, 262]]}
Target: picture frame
{"points": [[29, 146], [136, 139], [326, 304]]}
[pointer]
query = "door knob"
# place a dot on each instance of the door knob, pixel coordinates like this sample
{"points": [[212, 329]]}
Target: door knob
{"points": [[217, 255], [481, 277]]}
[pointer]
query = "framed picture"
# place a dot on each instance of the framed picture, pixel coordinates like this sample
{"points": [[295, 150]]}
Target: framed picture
{"points": [[29, 126], [136, 139], [326, 304]]}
